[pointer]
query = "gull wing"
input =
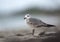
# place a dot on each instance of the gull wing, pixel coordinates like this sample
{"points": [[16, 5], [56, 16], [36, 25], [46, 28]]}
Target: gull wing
{"points": [[39, 23], [36, 22]]}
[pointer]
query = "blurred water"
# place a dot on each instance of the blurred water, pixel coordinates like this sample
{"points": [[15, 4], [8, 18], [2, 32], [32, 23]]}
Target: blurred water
{"points": [[17, 22]]}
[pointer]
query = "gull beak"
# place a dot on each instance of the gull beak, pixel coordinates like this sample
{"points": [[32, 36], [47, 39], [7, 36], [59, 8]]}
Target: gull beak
{"points": [[24, 18]]}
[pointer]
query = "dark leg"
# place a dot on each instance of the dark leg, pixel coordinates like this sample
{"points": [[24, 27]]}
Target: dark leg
{"points": [[33, 31]]}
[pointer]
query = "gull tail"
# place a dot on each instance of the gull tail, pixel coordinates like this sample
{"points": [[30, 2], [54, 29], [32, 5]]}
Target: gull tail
{"points": [[48, 25]]}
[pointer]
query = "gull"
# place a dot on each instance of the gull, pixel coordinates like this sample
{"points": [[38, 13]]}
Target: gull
{"points": [[36, 23]]}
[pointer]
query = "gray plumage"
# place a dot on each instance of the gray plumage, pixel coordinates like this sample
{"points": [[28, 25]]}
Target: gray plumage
{"points": [[38, 23]]}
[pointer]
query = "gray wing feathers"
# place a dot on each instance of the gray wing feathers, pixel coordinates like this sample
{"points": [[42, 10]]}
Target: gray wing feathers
{"points": [[36, 22]]}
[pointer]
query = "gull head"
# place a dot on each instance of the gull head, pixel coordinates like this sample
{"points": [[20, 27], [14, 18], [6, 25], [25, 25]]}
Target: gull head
{"points": [[27, 16]]}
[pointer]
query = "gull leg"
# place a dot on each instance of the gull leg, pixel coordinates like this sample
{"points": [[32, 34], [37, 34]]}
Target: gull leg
{"points": [[33, 31]]}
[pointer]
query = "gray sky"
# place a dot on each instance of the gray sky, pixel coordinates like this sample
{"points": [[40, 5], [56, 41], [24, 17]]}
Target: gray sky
{"points": [[9, 5]]}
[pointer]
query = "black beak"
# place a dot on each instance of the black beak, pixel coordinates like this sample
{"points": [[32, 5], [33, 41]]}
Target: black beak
{"points": [[24, 18]]}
